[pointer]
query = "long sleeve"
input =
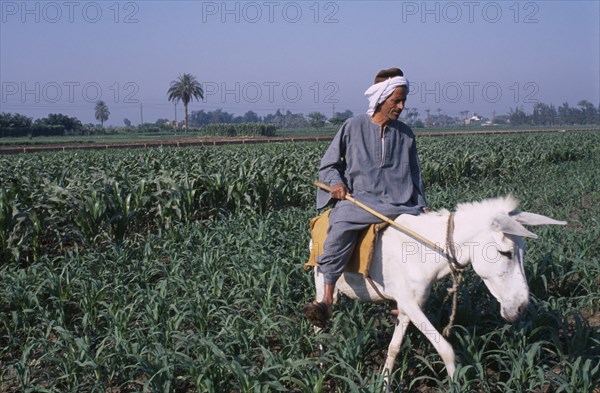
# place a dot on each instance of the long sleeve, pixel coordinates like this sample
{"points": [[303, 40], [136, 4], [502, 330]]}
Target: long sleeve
{"points": [[332, 168], [419, 191]]}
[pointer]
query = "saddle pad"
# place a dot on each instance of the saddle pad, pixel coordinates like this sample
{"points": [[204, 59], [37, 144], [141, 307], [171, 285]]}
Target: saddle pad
{"points": [[363, 249]]}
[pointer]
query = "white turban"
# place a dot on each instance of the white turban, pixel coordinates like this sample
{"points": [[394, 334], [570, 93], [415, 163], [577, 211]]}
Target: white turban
{"points": [[379, 92]]}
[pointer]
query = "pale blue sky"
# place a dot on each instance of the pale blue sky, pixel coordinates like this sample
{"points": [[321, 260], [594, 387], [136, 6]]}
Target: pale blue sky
{"points": [[481, 56]]}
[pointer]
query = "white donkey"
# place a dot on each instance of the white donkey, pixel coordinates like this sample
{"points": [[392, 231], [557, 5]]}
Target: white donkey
{"points": [[488, 234]]}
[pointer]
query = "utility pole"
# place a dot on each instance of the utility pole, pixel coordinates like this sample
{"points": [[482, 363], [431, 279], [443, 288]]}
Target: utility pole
{"points": [[141, 113]]}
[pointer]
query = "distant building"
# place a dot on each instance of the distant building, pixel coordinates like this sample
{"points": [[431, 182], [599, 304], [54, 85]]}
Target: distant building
{"points": [[477, 120]]}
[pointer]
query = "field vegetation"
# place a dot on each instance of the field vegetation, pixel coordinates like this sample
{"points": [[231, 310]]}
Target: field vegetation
{"points": [[180, 270]]}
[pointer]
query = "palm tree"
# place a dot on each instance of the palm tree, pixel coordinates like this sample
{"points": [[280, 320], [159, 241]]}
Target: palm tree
{"points": [[102, 112], [185, 89]]}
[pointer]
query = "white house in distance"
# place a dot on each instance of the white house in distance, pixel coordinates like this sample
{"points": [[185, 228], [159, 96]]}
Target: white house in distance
{"points": [[477, 120]]}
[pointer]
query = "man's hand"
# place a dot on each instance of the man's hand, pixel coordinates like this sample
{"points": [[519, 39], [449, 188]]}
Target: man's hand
{"points": [[339, 191]]}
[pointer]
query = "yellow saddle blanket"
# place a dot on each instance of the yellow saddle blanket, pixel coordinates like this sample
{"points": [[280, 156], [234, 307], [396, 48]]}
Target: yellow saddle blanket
{"points": [[362, 255]]}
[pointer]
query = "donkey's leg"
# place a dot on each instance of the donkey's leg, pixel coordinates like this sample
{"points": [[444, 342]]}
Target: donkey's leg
{"points": [[318, 297], [443, 347], [319, 287], [394, 347]]}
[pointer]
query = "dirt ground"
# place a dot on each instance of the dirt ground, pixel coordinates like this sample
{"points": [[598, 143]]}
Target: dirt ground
{"points": [[213, 141]]}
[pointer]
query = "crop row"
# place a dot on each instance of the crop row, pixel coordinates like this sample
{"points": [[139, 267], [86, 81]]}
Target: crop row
{"points": [[48, 201], [238, 129], [52, 201]]}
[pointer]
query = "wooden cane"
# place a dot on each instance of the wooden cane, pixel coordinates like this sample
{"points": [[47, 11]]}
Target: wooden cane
{"points": [[393, 223]]}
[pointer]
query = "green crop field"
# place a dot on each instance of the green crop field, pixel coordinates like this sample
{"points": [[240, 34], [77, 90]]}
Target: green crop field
{"points": [[180, 270]]}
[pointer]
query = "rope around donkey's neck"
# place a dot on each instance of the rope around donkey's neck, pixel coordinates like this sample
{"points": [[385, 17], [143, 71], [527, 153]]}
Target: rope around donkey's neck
{"points": [[456, 270]]}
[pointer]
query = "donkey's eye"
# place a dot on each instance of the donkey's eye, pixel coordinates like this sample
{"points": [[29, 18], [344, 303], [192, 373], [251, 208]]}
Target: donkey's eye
{"points": [[507, 254]]}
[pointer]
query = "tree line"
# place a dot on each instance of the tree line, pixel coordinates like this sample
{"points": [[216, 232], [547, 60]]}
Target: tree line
{"points": [[548, 115], [57, 124]]}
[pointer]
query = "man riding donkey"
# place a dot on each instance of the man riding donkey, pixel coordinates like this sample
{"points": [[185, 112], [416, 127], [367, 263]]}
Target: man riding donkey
{"points": [[373, 157]]}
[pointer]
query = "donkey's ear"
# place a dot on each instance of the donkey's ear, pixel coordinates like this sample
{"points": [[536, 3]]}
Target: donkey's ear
{"points": [[526, 218], [510, 226]]}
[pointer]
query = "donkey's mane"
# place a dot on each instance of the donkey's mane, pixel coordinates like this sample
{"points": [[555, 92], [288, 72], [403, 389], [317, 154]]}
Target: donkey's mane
{"points": [[489, 207]]}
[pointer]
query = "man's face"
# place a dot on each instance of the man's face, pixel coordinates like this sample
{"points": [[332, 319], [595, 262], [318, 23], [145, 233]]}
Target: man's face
{"points": [[394, 104]]}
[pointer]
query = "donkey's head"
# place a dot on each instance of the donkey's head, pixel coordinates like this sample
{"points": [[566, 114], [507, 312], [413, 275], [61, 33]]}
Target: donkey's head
{"points": [[497, 251]]}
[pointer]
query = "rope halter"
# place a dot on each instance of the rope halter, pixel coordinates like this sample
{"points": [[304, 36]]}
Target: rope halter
{"points": [[456, 270]]}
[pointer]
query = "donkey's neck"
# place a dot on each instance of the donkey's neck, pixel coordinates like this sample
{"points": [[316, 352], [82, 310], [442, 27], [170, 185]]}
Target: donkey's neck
{"points": [[463, 237], [454, 245], [431, 263]]}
